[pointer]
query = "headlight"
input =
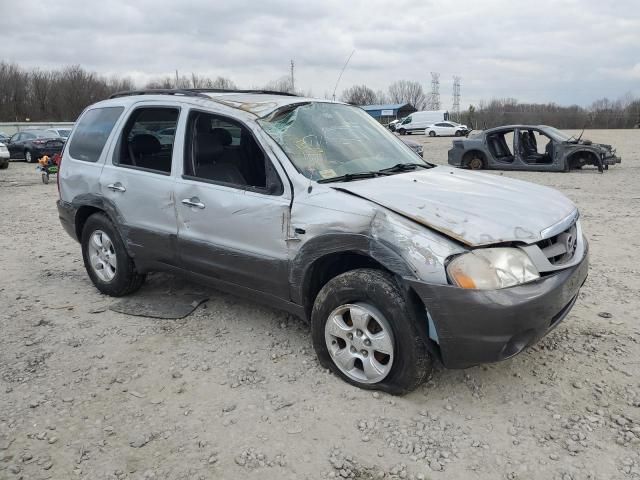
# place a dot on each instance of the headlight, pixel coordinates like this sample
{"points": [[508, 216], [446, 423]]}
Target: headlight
{"points": [[492, 268]]}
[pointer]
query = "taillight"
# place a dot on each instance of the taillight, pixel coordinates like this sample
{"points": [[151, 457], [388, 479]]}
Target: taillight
{"points": [[39, 142]]}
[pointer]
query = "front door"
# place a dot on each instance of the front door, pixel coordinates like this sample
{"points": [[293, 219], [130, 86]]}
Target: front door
{"points": [[15, 145], [138, 183], [233, 208]]}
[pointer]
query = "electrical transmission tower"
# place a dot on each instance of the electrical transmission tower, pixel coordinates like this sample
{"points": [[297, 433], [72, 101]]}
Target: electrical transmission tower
{"points": [[293, 86], [433, 102], [456, 98]]}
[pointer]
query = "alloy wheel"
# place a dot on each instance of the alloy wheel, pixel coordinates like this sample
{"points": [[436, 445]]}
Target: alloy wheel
{"points": [[360, 342], [102, 256]]}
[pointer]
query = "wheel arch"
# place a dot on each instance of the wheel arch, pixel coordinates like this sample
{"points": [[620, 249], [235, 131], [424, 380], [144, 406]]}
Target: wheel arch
{"points": [[327, 256], [89, 204], [582, 153]]}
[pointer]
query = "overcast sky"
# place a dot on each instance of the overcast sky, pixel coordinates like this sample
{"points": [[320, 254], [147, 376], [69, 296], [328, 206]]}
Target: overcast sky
{"points": [[542, 50]]}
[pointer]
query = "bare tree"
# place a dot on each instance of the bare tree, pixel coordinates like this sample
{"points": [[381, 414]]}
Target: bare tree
{"points": [[359, 95], [406, 91], [283, 84]]}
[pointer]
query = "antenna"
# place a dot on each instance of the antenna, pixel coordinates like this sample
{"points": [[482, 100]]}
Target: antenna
{"points": [[456, 97], [340, 76], [433, 103]]}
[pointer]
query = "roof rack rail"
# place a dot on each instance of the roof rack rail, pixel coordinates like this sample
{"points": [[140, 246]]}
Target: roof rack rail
{"points": [[193, 92]]}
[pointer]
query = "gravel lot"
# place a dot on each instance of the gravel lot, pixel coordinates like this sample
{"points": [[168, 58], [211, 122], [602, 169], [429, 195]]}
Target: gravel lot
{"points": [[234, 390]]}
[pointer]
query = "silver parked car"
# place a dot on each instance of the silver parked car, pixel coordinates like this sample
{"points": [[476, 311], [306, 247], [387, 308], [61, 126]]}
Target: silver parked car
{"points": [[315, 208]]}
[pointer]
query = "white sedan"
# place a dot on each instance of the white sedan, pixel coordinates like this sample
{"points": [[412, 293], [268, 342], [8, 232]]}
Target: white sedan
{"points": [[446, 129]]}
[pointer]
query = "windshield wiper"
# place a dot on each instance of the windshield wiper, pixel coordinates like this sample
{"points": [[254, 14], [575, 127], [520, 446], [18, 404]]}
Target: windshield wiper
{"points": [[404, 167], [347, 177]]}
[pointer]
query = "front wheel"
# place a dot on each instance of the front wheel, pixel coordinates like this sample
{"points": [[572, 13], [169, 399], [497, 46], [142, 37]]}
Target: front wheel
{"points": [[432, 133], [45, 178], [106, 260], [402, 131], [458, 133], [366, 331]]}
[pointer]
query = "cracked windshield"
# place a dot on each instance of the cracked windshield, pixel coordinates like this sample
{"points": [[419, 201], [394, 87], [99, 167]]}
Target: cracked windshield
{"points": [[328, 140]]}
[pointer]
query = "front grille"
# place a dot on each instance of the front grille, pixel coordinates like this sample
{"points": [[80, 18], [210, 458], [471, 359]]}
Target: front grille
{"points": [[561, 248]]}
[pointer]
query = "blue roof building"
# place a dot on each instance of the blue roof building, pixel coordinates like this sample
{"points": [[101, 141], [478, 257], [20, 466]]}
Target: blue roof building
{"points": [[386, 113]]}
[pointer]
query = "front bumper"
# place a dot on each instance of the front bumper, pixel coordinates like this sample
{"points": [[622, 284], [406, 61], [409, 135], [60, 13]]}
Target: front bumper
{"points": [[67, 215], [611, 160], [482, 326]]}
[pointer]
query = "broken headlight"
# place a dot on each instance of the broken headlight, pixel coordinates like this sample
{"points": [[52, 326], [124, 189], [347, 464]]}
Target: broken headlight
{"points": [[492, 268]]}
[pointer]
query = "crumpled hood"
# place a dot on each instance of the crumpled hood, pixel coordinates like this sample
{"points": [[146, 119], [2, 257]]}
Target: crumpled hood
{"points": [[473, 208]]}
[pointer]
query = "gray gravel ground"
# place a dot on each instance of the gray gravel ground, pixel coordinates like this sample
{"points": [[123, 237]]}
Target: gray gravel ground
{"points": [[235, 391]]}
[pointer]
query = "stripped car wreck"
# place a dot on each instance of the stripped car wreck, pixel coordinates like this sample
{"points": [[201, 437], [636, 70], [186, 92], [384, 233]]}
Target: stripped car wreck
{"points": [[315, 208], [529, 147]]}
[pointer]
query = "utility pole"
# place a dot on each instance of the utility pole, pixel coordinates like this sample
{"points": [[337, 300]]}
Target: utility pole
{"points": [[456, 98], [434, 97], [176, 78], [293, 85]]}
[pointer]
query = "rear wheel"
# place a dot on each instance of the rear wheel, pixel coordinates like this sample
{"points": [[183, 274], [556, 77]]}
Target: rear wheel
{"points": [[475, 163], [28, 156], [45, 177], [366, 331], [106, 260], [432, 133]]}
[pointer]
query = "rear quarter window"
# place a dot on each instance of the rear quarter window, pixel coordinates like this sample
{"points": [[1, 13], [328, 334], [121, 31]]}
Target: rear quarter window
{"points": [[92, 132]]}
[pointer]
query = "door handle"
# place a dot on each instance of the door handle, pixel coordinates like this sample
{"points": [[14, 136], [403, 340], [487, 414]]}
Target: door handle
{"points": [[116, 187], [193, 202]]}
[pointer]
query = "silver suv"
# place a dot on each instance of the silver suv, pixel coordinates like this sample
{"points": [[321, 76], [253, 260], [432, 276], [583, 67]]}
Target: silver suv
{"points": [[315, 208]]}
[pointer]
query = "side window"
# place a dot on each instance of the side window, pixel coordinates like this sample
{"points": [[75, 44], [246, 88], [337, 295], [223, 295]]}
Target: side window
{"points": [[221, 150], [16, 137], [147, 139], [407, 120], [92, 133]]}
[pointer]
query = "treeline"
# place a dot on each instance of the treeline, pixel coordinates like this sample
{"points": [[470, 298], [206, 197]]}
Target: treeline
{"points": [[62, 94], [621, 113], [52, 95]]}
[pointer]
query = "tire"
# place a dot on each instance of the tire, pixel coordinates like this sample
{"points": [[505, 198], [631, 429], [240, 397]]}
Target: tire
{"points": [[4, 165], [387, 313], [45, 178], [432, 133], [124, 277], [402, 131], [458, 133], [28, 157]]}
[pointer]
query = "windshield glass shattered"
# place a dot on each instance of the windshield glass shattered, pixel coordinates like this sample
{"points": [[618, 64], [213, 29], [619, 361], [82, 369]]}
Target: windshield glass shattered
{"points": [[329, 140]]}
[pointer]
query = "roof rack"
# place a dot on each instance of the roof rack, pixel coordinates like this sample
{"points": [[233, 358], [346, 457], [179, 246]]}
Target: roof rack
{"points": [[193, 92]]}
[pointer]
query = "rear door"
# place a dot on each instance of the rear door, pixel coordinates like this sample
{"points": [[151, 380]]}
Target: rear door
{"points": [[15, 146], [233, 207], [138, 181]]}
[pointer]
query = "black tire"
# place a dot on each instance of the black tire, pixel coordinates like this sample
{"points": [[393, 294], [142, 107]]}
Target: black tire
{"points": [[402, 131], [458, 133], [4, 165], [432, 133], [28, 156], [412, 362], [127, 279], [45, 178]]}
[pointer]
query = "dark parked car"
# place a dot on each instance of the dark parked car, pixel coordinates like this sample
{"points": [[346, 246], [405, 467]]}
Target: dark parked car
{"points": [[415, 146], [528, 147], [30, 145]]}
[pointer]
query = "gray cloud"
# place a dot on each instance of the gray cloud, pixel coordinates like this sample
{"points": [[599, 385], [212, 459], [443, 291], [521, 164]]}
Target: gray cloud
{"points": [[562, 51]]}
